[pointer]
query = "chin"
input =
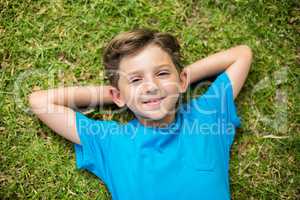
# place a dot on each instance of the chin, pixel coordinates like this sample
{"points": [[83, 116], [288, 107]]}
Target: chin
{"points": [[155, 116], [152, 115]]}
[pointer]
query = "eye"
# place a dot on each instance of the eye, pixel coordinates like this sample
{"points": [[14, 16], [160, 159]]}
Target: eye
{"points": [[135, 80], [163, 73]]}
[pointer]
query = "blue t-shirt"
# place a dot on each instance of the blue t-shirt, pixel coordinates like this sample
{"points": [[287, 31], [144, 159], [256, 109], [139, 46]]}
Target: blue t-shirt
{"points": [[188, 159]]}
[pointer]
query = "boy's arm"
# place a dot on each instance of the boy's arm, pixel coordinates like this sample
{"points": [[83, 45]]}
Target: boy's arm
{"points": [[236, 61], [54, 106]]}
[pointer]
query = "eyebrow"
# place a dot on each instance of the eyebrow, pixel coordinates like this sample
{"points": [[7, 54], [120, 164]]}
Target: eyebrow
{"points": [[137, 71]]}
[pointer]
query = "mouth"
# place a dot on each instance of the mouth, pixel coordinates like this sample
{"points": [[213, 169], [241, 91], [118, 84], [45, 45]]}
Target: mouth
{"points": [[154, 101]]}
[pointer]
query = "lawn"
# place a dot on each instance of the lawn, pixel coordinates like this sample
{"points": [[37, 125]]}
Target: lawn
{"points": [[46, 44]]}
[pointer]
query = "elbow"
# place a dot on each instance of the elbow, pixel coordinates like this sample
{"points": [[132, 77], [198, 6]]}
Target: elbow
{"points": [[246, 52], [32, 99], [36, 99]]}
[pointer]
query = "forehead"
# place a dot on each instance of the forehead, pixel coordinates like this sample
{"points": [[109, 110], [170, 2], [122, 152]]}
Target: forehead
{"points": [[149, 59]]}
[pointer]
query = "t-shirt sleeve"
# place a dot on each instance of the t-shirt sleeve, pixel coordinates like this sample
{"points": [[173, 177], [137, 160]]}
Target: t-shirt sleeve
{"points": [[92, 152], [218, 103]]}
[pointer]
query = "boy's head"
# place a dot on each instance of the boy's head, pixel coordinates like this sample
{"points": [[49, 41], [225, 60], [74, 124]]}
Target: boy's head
{"points": [[144, 68]]}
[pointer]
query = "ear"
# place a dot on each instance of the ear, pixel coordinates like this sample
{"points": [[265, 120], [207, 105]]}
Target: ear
{"points": [[116, 96], [184, 81]]}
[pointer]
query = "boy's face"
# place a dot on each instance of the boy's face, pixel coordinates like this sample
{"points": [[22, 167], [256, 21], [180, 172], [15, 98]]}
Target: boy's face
{"points": [[150, 85]]}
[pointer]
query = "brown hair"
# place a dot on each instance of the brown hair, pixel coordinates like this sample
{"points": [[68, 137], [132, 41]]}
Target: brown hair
{"points": [[131, 42]]}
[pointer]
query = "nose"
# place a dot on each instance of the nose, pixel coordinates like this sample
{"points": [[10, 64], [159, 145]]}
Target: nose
{"points": [[151, 87]]}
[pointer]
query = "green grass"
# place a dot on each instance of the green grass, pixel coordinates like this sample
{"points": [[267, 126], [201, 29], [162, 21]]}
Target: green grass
{"points": [[47, 45]]}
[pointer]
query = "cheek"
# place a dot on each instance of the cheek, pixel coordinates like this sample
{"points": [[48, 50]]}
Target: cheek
{"points": [[171, 87], [130, 95]]}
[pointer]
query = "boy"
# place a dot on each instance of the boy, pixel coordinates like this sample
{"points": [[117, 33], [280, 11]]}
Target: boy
{"points": [[170, 150]]}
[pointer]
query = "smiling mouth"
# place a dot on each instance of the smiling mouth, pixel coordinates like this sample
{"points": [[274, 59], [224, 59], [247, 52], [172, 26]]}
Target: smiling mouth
{"points": [[154, 101]]}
